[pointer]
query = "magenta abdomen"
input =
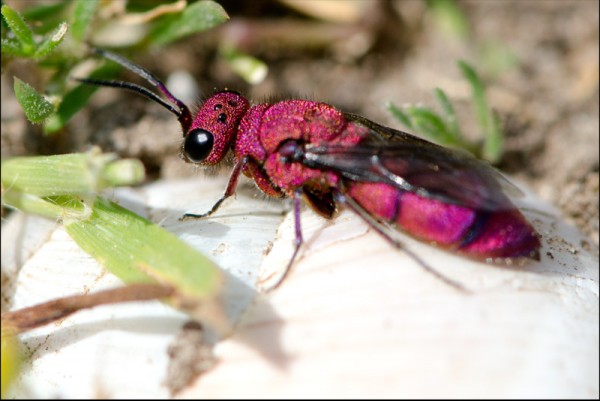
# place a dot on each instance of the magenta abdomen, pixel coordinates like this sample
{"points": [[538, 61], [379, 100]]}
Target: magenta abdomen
{"points": [[504, 234]]}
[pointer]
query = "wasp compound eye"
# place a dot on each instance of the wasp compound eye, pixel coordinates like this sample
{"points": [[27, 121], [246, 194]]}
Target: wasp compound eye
{"points": [[198, 144]]}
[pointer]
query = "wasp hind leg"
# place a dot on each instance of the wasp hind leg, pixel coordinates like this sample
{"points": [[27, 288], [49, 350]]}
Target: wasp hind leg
{"points": [[298, 240], [381, 230]]}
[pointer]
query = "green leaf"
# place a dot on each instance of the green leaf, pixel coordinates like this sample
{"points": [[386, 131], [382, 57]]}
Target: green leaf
{"points": [[12, 47], [81, 18], [141, 256], [450, 18], [497, 57], [493, 146], [12, 359], [450, 115], [478, 93], [129, 246], [71, 103], [40, 184], [51, 41], [445, 130], [251, 69], [36, 107], [46, 16], [431, 124], [493, 138], [138, 251], [197, 17], [75, 99], [400, 115], [70, 174], [20, 29]]}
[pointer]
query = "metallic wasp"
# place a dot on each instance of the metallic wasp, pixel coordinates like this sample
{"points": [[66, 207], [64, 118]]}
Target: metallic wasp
{"points": [[309, 150]]}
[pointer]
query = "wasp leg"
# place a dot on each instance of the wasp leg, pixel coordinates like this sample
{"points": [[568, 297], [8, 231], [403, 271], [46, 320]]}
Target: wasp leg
{"points": [[377, 226], [230, 190], [297, 240]]}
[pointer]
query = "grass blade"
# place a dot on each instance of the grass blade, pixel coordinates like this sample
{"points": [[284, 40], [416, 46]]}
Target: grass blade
{"points": [[450, 115], [493, 139], [400, 115], [138, 251], [71, 174], [82, 17]]}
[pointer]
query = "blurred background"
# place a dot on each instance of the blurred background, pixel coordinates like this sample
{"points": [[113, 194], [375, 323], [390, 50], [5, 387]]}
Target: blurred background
{"points": [[538, 61]]}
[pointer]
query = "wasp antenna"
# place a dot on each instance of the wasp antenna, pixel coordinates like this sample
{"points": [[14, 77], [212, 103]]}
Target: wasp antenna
{"points": [[184, 116], [133, 88]]}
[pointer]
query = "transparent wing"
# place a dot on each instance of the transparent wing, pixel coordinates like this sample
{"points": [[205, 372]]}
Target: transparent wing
{"points": [[416, 165]]}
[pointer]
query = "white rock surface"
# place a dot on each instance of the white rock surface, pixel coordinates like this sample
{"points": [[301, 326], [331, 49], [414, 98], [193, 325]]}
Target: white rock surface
{"points": [[355, 318]]}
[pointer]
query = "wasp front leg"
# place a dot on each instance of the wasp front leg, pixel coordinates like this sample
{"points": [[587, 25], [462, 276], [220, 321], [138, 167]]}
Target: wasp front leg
{"points": [[230, 190]]}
